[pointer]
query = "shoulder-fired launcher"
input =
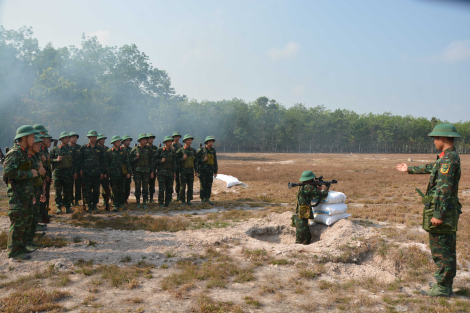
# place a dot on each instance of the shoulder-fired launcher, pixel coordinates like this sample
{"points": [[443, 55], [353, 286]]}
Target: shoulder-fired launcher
{"points": [[317, 182]]}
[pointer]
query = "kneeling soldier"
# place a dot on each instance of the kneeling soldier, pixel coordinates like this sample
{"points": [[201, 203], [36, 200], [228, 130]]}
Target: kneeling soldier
{"points": [[185, 158], [166, 162], [142, 163], [442, 207], [118, 165], [303, 210]]}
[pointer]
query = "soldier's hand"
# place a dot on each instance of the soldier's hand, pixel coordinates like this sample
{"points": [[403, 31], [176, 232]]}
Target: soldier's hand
{"points": [[128, 176], [215, 174], [185, 156], [174, 176], [205, 158], [35, 173], [197, 174], [34, 200], [42, 170], [163, 160], [137, 155], [152, 175], [81, 173], [436, 222], [75, 176], [48, 179], [101, 176], [43, 198], [43, 158], [59, 158], [402, 167]]}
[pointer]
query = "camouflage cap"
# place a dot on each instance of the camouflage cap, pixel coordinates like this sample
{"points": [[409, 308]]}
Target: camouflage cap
{"points": [[444, 130], [307, 175], [102, 136], [126, 137], [40, 128], [187, 136], [167, 138], [37, 138], [209, 138], [74, 134], [175, 134], [25, 130], [151, 136], [63, 135], [115, 138], [142, 136], [92, 133]]}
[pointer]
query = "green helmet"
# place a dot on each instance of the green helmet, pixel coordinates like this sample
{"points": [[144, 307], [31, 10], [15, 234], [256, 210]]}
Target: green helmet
{"points": [[46, 135], [40, 128], [92, 133], [101, 136], [187, 136], [115, 138], [444, 130], [176, 134], [151, 136], [25, 130], [126, 137], [74, 134], [64, 134], [167, 138], [307, 175], [37, 138], [209, 138], [142, 136]]}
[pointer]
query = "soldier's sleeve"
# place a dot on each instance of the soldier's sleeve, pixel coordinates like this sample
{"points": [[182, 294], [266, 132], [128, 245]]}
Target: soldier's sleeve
{"points": [[152, 160], [158, 156], [443, 195], [421, 169], [216, 166], [127, 163], [102, 162], [11, 168], [132, 156], [196, 162], [313, 192], [174, 161]]}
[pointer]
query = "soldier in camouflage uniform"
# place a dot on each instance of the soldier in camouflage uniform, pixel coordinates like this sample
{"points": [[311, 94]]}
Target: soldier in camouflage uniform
{"points": [[19, 174], [77, 183], [126, 142], [142, 163], [442, 207], [46, 160], [206, 168], [92, 169], [165, 161], [303, 211], [64, 173], [185, 158], [118, 168], [104, 182], [38, 189], [153, 150], [176, 146]]}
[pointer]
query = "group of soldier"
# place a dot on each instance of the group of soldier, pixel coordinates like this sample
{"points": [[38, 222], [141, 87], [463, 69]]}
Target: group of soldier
{"points": [[30, 169]]}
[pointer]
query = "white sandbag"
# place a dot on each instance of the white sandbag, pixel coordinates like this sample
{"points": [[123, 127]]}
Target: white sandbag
{"points": [[331, 209], [330, 219], [335, 197], [230, 180]]}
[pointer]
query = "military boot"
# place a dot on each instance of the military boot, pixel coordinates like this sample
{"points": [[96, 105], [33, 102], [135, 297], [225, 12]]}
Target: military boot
{"points": [[144, 205], [115, 208], [138, 204], [167, 204], [59, 210], [183, 202], [76, 203], [21, 257], [122, 207], [95, 208], [68, 210], [438, 290], [90, 208], [161, 204], [151, 198], [189, 202], [28, 249], [209, 201]]}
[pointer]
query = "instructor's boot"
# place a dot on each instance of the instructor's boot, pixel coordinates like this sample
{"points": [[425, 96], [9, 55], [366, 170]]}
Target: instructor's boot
{"points": [[59, 210], [68, 210], [438, 290], [144, 205]]}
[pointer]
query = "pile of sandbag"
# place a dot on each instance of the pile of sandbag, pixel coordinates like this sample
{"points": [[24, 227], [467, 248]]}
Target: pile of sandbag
{"points": [[331, 209]]}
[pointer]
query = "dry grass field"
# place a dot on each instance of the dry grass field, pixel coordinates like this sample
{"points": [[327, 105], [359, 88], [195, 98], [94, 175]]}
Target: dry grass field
{"points": [[239, 256]]}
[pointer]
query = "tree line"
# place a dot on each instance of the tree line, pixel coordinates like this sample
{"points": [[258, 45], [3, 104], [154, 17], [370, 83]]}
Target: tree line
{"points": [[116, 90]]}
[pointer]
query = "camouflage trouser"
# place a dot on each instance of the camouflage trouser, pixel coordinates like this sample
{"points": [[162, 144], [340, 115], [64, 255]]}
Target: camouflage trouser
{"points": [[104, 184], [21, 217], [152, 185], [141, 181], [205, 179], [443, 250], [31, 231], [45, 205], [165, 188], [186, 178], [63, 184], [177, 183], [302, 230], [77, 184], [118, 184], [92, 189], [127, 188]]}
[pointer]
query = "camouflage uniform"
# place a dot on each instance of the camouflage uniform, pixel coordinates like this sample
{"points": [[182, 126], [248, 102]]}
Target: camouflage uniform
{"points": [[127, 188], [115, 159], [176, 146], [153, 150], [142, 166], [443, 187], [206, 170], [17, 168], [104, 182], [38, 190], [91, 162], [63, 177], [44, 206], [77, 184], [305, 195], [166, 172], [186, 175]]}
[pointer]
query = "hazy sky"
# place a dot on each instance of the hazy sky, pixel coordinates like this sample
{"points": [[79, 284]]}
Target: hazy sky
{"points": [[406, 57]]}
